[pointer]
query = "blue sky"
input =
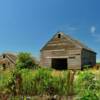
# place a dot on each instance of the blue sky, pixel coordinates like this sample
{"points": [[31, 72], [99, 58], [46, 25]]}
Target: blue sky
{"points": [[26, 25]]}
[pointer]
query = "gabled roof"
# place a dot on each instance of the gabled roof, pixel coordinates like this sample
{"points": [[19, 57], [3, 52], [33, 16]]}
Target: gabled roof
{"points": [[82, 45], [10, 56], [74, 41]]}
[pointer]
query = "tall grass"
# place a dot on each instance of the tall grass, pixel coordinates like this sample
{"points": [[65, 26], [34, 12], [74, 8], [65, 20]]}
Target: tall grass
{"points": [[49, 82], [41, 81]]}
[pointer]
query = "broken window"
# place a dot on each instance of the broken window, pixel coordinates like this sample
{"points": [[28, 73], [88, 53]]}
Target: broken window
{"points": [[59, 35], [4, 55]]}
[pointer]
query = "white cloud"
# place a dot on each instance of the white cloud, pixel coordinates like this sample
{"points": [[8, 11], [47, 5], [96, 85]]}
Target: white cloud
{"points": [[93, 29], [94, 34], [72, 28]]}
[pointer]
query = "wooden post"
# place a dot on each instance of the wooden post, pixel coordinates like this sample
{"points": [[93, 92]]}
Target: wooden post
{"points": [[18, 83], [70, 81]]}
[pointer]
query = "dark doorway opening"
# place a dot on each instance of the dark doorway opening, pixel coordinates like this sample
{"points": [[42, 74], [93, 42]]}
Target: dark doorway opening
{"points": [[59, 63]]}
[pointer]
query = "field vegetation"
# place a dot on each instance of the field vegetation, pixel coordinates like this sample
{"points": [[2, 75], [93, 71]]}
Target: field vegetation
{"points": [[28, 81]]}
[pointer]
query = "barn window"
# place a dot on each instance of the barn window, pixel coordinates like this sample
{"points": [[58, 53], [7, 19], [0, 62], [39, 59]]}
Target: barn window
{"points": [[71, 57], [4, 55], [77, 54], [59, 35]]}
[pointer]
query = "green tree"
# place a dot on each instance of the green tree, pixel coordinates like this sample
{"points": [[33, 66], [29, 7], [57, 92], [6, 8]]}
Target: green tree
{"points": [[25, 60]]}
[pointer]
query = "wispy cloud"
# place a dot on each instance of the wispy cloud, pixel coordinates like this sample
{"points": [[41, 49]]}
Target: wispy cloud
{"points": [[95, 34], [72, 28], [93, 29], [68, 28]]}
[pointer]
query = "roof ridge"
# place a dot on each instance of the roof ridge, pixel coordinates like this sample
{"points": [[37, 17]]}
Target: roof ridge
{"points": [[75, 41]]}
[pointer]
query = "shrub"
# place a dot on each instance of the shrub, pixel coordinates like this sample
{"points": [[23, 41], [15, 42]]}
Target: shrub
{"points": [[89, 95], [86, 80], [86, 85], [25, 60], [5, 79]]}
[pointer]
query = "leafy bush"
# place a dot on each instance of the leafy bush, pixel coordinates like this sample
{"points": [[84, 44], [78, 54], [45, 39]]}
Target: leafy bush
{"points": [[25, 60], [86, 80], [5, 79], [89, 95], [86, 86]]}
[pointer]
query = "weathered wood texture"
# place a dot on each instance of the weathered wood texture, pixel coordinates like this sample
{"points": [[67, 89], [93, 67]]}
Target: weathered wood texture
{"points": [[8, 59], [64, 46], [88, 58]]}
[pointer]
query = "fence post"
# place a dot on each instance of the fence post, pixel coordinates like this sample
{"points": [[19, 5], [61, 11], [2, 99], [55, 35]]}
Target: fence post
{"points": [[70, 81]]}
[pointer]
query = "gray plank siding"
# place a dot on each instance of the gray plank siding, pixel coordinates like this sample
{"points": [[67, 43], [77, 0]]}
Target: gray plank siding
{"points": [[60, 47], [88, 58]]}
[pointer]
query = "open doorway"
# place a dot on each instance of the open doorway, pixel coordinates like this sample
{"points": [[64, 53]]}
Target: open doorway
{"points": [[59, 63]]}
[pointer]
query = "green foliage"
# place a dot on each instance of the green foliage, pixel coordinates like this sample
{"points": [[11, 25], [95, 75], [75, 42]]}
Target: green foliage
{"points": [[86, 67], [89, 95], [86, 80], [5, 79], [86, 86], [34, 82], [41, 78], [25, 60], [41, 81], [27, 81]]}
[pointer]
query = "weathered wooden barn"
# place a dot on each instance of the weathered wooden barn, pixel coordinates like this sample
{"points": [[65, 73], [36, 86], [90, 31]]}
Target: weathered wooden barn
{"points": [[64, 52], [8, 59]]}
